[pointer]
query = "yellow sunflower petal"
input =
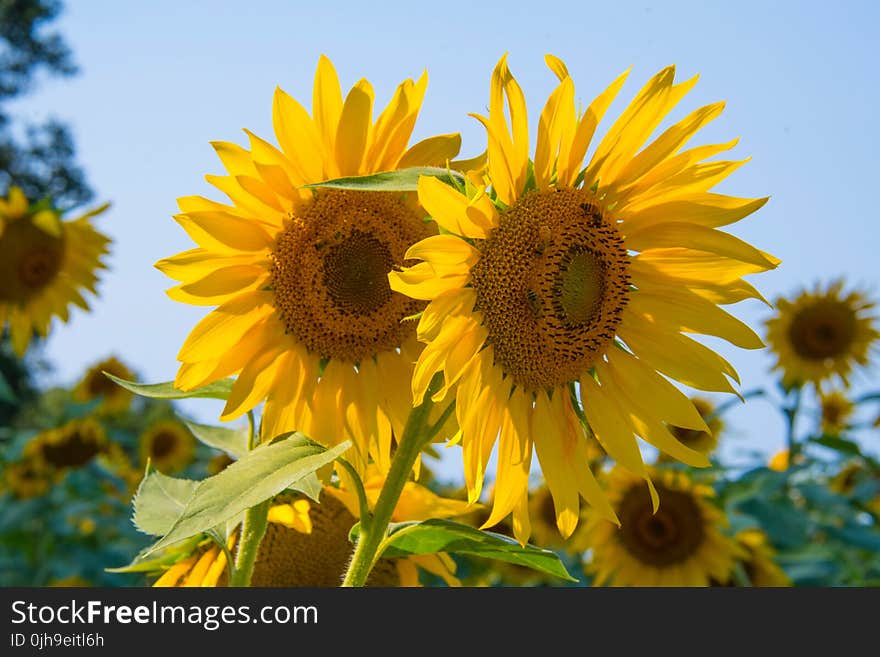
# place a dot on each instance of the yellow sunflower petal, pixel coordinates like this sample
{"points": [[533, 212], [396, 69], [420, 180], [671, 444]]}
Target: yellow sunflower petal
{"points": [[435, 151], [449, 208], [354, 128]]}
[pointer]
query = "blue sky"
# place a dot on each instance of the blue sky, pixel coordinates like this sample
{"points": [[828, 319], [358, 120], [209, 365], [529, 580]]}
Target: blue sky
{"points": [[161, 79]]}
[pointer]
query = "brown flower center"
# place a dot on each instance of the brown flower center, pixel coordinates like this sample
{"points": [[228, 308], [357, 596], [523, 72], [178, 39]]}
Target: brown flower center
{"points": [[823, 330], [551, 282], [29, 260], [163, 444], [667, 537], [72, 451], [330, 273]]}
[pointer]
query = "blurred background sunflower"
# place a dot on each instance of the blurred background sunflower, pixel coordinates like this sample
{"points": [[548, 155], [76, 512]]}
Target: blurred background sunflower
{"points": [[683, 543]]}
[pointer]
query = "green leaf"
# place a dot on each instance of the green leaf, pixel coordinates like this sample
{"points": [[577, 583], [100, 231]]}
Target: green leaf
{"points": [[166, 390], [430, 536], [232, 440], [402, 180], [264, 472], [785, 526], [147, 561], [856, 535], [838, 444], [309, 485], [159, 501], [7, 394]]}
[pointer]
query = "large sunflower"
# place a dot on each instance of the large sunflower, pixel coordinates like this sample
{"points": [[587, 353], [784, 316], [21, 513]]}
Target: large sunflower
{"points": [[679, 544], [45, 265], [306, 317], [562, 294], [821, 335], [307, 544]]}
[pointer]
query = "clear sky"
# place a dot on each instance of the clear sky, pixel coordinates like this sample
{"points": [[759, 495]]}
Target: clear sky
{"points": [[161, 79]]}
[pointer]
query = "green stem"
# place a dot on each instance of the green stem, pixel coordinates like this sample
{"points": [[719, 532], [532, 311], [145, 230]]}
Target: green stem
{"points": [[251, 430], [435, 428], [252, 530], [366, 553], [790, 417]]}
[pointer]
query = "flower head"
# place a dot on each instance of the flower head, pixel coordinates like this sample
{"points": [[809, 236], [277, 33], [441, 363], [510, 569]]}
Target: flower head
{"points": [[305, 316], [559, 295], [168, 446], [95, 384], [821, 335], [679, 544], [837, 410], [69, 447], [46, 264]]}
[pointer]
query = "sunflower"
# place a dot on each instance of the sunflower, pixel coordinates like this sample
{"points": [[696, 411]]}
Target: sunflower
{"points": [[96, 385], [759, 564], [542, 316], [837, 410], [679, 544], [305, 315], [45, 265], [26, 478], [307, 544], [704, 442], [168, 446], [69, 447], [821, 335]]}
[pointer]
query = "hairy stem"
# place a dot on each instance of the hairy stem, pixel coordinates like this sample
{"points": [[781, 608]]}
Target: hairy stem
{"points": [[252, 530]]}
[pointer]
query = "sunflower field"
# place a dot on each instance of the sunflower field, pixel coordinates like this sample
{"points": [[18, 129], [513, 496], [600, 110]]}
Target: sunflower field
{"points": [[500, 358]]}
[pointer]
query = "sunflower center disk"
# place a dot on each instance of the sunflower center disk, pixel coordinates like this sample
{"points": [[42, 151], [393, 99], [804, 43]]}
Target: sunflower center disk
{"points": [[29, 260], [824, 330], [667, 537], [552, 282], [330, 274], [163, 444], [73, 452]]}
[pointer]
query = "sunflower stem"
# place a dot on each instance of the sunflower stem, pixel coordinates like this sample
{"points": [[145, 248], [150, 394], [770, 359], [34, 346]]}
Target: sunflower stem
{"points": [[366, 552], [251, 430], [438, 425], [253, 528], [791, 418]]}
